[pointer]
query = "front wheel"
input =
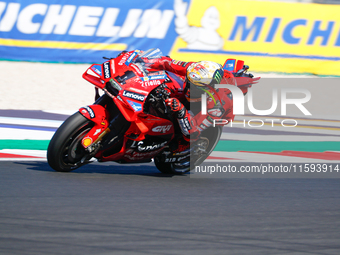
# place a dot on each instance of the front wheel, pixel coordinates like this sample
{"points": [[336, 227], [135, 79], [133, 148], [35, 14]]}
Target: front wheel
{"points": [[65, 152]]}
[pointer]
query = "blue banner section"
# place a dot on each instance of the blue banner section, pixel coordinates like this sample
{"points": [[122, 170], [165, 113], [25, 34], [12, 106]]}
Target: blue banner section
{"points": [[83, 31]]}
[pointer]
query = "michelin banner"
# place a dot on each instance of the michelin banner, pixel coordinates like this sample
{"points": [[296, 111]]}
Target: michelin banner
{"points": [[83, 31], [268, 36]]}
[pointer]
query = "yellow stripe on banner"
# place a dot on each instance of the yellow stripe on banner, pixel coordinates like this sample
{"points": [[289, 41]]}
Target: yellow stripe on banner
{"points": [[63, 45], [270, 36]]}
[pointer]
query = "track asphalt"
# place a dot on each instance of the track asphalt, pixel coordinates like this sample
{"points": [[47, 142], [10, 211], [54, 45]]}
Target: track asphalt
{"points": [[106, 208], [111, 209]]}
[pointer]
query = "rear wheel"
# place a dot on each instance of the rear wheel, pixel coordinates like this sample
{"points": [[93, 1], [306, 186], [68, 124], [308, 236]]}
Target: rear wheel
{"points": [[208, 141], [172, 168], [200, 150], [65, 152]]}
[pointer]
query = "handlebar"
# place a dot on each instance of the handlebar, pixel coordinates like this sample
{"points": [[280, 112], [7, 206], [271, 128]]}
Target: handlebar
{"points": [[243, 71]]}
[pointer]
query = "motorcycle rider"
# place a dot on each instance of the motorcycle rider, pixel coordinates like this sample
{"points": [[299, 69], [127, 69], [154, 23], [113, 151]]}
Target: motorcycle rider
{"points": [[199, 77]]}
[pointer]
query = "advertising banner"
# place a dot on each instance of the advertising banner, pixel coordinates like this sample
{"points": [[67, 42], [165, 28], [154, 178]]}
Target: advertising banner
{"points": [[82, 31], [268, 36]]}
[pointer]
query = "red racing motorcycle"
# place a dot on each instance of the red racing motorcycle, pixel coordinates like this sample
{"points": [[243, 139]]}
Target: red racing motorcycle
{"points": [[130, 122]]}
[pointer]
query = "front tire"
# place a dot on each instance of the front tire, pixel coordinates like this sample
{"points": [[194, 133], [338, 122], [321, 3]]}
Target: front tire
{"points": [[65, 152]]}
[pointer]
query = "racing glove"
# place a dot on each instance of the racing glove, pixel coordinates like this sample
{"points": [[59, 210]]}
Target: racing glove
{"points": [[186, 122], [176, 106]]}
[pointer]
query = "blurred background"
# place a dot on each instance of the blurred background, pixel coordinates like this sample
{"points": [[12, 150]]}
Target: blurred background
{"points": [[46, 45]]}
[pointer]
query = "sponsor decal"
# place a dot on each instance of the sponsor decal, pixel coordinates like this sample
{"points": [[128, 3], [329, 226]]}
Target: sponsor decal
{"points": [[136, 106], [171, 160], [141, 155], [162, 129], [133, 55], [107, 70], [152, 147], [87, 141], [115, 84], [90, 111], [194, 76], [184, 64], [184, 125], [112, 64], [218, 76], [187, 124], [215, 112], [97, 131], [181, 113], [153, 77], [151, 83], [97, 69], [152, 80], [133, 95], [229, 65], [206, 122], [123, 59]]}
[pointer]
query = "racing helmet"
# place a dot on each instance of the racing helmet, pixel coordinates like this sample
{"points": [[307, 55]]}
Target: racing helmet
{"points": [[201, 76]]}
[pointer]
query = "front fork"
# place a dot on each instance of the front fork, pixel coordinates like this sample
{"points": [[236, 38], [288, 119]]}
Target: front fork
{"points": [[99, 116]]}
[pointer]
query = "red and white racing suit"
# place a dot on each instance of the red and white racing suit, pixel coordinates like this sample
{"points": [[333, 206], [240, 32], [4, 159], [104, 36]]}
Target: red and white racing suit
{"points": [[191, 126]]}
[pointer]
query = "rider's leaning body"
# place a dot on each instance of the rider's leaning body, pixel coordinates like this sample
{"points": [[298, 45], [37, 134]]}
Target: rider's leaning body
{"points": [[198, 78]]}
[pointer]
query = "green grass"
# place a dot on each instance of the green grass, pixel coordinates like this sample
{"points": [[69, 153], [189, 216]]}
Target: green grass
{"points": [[268, 146], [273, 146], [24, 144]]}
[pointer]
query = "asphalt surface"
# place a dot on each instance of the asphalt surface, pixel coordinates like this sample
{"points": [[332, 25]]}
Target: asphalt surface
{"points": [[122, 209]]}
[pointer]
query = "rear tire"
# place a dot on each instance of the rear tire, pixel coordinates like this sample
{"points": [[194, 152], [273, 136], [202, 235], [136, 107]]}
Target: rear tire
{"points": [[212, 134], [171, 168], [65, 152]]}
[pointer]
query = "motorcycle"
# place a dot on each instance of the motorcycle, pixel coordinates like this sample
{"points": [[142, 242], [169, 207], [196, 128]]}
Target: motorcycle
{"points": [[130, 122]]}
